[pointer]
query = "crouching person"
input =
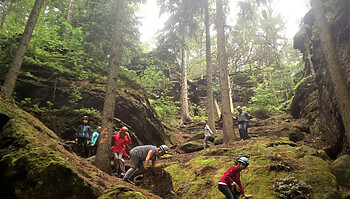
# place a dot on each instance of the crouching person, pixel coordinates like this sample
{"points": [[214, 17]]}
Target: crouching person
{"points": [[230, 183], [140, 154]]}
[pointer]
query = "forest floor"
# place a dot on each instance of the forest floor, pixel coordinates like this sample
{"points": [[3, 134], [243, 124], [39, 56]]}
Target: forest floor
{"points": [[268, 127]]}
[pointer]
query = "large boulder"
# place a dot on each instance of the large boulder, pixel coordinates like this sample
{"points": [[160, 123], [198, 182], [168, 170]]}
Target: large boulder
{"points": [[191, 146], [35, 164], [341, 169]]}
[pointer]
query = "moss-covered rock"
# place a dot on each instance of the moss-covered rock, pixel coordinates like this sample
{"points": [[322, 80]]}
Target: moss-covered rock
{"points": [[219, 139], [270, 159], [305, 150], [35, 164], [192, 146], [341, 169], [122, 192]]}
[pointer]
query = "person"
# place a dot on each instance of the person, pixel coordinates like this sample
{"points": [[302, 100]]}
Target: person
{"points": [[119, 149], [82, 137], [230, 183], [243, 123], [94, 143], [207, 133], [140, 154]]}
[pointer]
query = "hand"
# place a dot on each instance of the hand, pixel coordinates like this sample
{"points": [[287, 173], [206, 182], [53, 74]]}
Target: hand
{"points": [[248, 196], [236, 186], [76, 139]]}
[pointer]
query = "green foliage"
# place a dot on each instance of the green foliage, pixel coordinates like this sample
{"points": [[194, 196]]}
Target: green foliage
{"points": [[74, 94], [152, 79], [290, 188], [199, 113], [88, 111], [165, 108], [265, 98]]}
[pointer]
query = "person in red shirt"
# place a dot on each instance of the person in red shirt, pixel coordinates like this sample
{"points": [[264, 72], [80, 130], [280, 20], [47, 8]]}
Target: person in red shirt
{"points": [[119, 149], [230, 183]]}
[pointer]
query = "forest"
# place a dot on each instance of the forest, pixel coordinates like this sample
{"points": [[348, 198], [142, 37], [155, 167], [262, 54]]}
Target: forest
{"points": [[62, 62]]}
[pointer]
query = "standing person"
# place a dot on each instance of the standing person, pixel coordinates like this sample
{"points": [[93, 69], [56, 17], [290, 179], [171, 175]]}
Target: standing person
{"points": [[143, 153], [243, 123], [230, 183], [207, 133], [94, 143], [82, 136], [119, 149]]}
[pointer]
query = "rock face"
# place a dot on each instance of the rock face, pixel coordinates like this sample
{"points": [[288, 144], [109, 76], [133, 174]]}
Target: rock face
{"points": [[340, 168], [35, 164], [64, 116], [320, 106]]}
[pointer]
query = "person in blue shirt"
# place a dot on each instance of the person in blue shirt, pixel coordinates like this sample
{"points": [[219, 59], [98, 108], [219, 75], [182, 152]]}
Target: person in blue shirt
{"points": [[94, 141], [82, 137]]}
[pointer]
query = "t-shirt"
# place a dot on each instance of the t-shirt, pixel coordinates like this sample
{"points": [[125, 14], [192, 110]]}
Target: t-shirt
{"points": [[207, 131], [242, 117], [142, 151]]}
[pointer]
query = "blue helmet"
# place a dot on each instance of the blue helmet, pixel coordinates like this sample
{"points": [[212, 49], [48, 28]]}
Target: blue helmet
{"points": [[244, 160], [164, 148]]}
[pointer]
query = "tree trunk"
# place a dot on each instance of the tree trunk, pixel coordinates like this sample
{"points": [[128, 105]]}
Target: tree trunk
{"points": [[229, 134], [5, 8], [69, 16], [334, 68], [12, 75], [217, 108], [210, 95], [103, 155], [185, 115]]}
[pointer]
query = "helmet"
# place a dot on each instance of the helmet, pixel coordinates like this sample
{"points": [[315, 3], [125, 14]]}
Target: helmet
{"points": [[86, 118], [244, 160], [239, 108], [164, 148], [202, 122], [124, 129]]}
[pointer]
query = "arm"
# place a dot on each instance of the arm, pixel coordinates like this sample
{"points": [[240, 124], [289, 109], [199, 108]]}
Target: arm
{"points": [[148, 158], [128, 139]]}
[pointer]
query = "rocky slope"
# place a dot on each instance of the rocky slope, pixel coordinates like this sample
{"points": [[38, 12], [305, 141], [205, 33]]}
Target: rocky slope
{"points": [[315, 98]]}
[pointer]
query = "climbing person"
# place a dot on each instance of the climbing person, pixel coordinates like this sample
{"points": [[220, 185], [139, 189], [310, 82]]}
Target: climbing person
{"points": [[140, 154], [243, 123], [94, 142], [230, 183], [118, 149], [207, 133], [82, 137]]}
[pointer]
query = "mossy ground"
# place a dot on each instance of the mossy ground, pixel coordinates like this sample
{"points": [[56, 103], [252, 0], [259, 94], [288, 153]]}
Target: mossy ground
{"points": [[270, 159]]}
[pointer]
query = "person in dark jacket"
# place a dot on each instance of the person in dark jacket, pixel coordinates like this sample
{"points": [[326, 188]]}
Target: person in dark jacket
{"points": [[243, 123], [230, 183], [82, 137]]}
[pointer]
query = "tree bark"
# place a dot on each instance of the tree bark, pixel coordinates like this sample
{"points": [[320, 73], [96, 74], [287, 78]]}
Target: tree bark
{"points": [[210, 95], [228, 131], [334, 68], [69, 16], [103, 155], [185, 115], [17, 61], [5, 8]]}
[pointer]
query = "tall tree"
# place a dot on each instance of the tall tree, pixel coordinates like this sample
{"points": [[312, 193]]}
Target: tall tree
{"points": [[338, 77], [15, 66], [210, 95], [69, 16], [103, 152], [5, 7], [229, 134]]}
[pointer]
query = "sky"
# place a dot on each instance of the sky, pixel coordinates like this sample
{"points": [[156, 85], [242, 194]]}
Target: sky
{"points": [[291, 10]]}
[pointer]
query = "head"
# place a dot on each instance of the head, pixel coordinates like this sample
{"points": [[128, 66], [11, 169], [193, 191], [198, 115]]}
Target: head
{"points": [[239, 109], [163, 149], [243, 162], [123, 130], [85, 119], [203, 123]]}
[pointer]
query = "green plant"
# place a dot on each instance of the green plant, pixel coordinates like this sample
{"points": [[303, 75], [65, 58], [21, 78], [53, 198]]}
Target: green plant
{"points": [[26, 101], [199, 113], [88, 111], [165, 108], [290, 188]]}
